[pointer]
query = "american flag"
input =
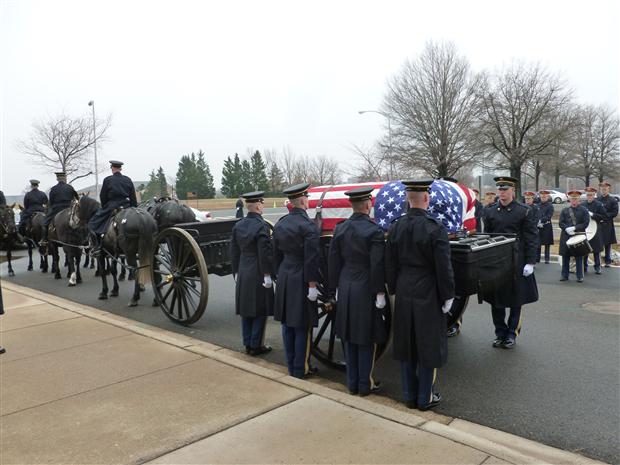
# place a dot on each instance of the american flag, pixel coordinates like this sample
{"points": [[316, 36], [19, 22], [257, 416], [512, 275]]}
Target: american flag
{"points": [[452, 204]]}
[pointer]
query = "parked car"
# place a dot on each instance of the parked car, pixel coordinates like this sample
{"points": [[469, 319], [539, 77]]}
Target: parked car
{"points": [[557, 196]]}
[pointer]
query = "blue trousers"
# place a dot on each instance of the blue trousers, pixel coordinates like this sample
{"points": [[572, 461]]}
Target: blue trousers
{"points": [[547, 253], [418, 382], [360, 362], [297, 350], [608, 254], [566, 265], [253, 331], [597, 261], [503, 329]]}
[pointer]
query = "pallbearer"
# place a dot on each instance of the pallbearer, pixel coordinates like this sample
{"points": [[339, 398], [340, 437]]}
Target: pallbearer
{"points": [[510, 217], [296, 260], [598, 214], [574, 219], [357, 274], [252, 261], [419, 272], [609, 231], [545, 230]]}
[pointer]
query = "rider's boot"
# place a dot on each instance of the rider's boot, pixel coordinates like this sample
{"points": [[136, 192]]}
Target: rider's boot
{"points": [[43, 242], [96, 240]]}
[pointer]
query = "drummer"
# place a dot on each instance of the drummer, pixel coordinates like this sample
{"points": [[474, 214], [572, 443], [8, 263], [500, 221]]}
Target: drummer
{"points": [[599, 215], [574, 219]]}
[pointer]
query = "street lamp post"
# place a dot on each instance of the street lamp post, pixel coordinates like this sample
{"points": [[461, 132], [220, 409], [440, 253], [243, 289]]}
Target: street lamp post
{"points": [[386, 116], [92, 104]]}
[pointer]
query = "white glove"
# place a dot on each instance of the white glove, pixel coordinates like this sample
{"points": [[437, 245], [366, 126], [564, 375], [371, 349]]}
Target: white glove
{"points": [[313, 294], [540, 225], [570, 230], [380, 301], [591, 214], [528, 270], [447, 305], [336, 296], [267, 282]]}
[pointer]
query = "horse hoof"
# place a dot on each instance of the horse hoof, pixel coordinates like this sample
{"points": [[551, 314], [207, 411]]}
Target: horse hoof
{"points": [[92, 267], [29, 268], [155, 303], [79, 281], [142, 288], [43, 270], [71, 284], [103, 296], [121, 278], [57, 276], [132, 303], [11, 273], [114, 294]]}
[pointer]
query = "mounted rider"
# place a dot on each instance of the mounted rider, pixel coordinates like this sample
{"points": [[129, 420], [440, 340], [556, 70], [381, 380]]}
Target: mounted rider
{"points": [[60, 198], [117, 191], [34, 201]]}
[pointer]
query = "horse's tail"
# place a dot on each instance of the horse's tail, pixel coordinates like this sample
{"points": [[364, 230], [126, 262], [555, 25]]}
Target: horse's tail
{"points": [[145, 257]]}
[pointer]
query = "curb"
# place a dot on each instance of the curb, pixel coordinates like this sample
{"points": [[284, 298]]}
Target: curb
{"points": [[508, 447]]}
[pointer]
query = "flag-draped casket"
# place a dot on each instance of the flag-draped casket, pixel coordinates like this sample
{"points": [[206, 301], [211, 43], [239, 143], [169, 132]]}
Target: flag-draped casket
{"points": [[451, 203]]}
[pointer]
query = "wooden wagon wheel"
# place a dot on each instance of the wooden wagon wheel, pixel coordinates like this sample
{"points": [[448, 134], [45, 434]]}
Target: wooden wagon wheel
{"points": [[180, 279]]}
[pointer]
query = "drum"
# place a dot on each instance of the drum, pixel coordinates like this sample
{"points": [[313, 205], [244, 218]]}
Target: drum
{"points": [[578, 245], [591, 229]]}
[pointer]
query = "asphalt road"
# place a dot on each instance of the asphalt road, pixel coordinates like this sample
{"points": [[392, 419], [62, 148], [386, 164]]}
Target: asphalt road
{"points": [[559, 386]]}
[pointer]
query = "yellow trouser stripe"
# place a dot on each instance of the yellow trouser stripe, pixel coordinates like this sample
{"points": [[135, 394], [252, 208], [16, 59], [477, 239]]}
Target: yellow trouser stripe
{"points": [[433, 385], [372, 367], [307, 358], [518, 330]]}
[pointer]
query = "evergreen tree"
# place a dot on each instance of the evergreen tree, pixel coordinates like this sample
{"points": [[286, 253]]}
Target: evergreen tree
{"points": [[276, 179], [228, 178], [186, 176], [245, 180], [258, 173], [162, 184], [152, 187], [239, 184], [204, 179]]}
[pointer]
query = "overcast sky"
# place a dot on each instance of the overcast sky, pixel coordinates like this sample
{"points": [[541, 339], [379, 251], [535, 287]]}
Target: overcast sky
{"points": [[225, 76]]}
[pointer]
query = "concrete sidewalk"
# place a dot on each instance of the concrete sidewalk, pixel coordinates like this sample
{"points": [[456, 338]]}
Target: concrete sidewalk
{"points": [[80, 385]]}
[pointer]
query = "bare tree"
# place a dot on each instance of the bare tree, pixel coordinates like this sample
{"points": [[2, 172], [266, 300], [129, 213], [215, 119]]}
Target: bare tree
{"points": [[433, 104], [64, 143], [584, 150], [372, 165], [324, 170], [519, 106], [606, 136]]}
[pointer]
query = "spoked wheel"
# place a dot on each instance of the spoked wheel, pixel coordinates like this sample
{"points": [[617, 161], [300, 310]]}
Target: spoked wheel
{"points": [[180, 279], [458, 308]]}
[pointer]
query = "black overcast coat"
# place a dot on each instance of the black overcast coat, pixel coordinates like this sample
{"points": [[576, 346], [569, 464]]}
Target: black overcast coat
{"points": [[296, 259], [545, 234], [33, 202], [599, 215], [611, 207], [357, 270], [582, 219], [514, 218], [419, 272], [60, 198], [252, 258], [117, 191]]}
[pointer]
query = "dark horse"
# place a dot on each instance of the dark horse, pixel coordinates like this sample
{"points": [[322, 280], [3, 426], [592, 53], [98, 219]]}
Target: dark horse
{"points": [[33, 235], [72, 233], [168, 212], [130, 232], [8, 233]]}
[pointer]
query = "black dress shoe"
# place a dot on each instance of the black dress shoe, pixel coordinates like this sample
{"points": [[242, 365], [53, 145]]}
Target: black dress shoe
{"points": [[546, 262], [563, 279], [509, 344], [353, 392], [498, 342], [373, 390], [311, 372], [598, 271], [247, 349], [453, 331], [411, 404], [2, 350], [433, 403], [260, 350], [579, 280], [607, 265]]}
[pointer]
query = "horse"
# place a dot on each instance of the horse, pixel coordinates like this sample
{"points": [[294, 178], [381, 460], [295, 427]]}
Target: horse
{"points": [[168, 212], [8, 233], [72, 233], [130, 232], [33, 235]]}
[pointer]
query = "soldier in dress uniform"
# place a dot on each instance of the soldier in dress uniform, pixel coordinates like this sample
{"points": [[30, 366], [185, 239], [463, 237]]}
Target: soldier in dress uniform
{"points": [[609, 231], [508, 216], [573, 219], [545, 229], [598, 214], [419, 272], [239, 207], [297, 260], [478, 208], [60, 198], [117, 191], [34, 201], [252, 262], [357, 275]]}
